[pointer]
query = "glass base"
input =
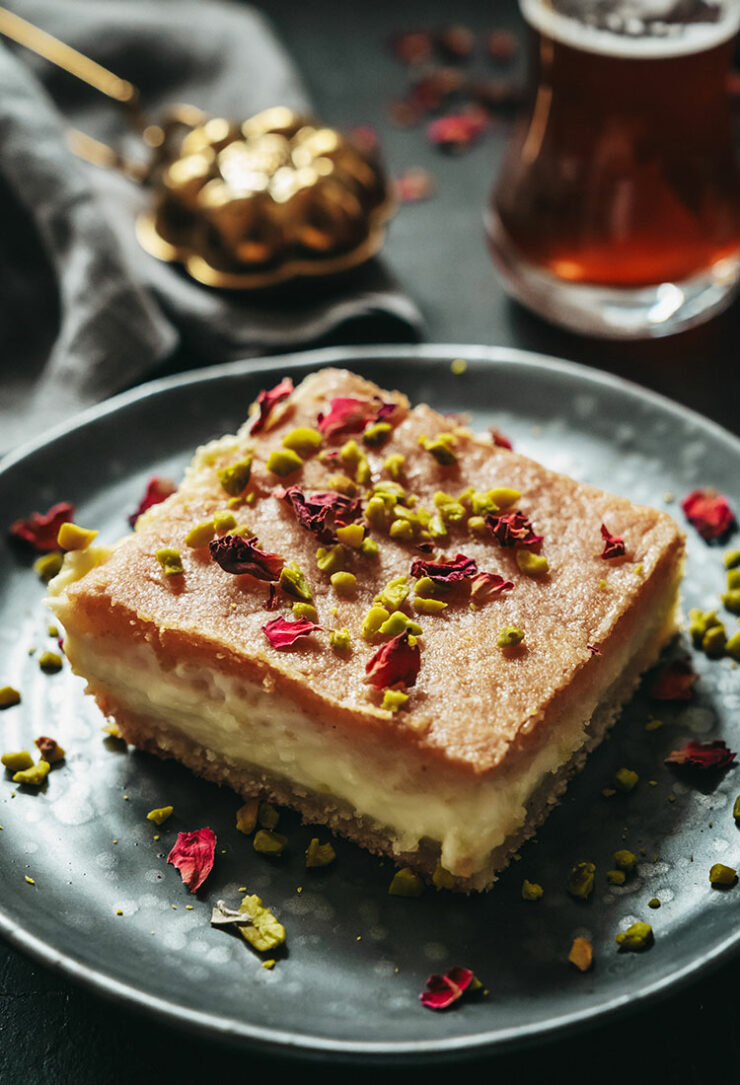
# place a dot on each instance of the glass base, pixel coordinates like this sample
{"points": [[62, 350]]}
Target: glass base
{"points": [[614, 312]]}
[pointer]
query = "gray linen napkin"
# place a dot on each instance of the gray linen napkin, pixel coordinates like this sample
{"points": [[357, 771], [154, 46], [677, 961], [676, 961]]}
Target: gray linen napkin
{"points": [[84, 312]]}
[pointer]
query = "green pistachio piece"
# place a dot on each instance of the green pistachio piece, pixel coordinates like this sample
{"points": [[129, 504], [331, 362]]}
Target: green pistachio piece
{"points": [[731, 600], [394, 593], [700, 622], [50, 662], [339, 639], [406, 883], [442, 447], [373, 620], [267, 816], [246, 816], [351, 535], [719, 874], [732, 648], [362, 472], [264, 932], [294, 583], [16, 762], [35, 775], [376, 513], [223, 522], [736, 809], [344, 583], [170, 560], [390, 492], [477, 525], [532, 890], [481, 503], [303, 439], [305, 610], [370, 548], [425, 587], [636, 938], [449, 507], [654, 902], [437, 529], [343, 485], [266, 842], [393, 699], [397, 623], [625, 780], [394, 465], [428, 606], [732, 559], [47, 566], [283, 462], [616, 877], [318, 855], [510, 636], [581, 880], [733, 579], [9, 697], [715, 640], [377, 434], [351, 453], [504, 497], [160, 814], [200, 535], [74, 537], [331, 560], [625, 860], [401, 529], [235, 478], [531, 564]]}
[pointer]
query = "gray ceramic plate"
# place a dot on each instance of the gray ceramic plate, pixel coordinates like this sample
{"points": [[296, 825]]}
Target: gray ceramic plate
{"points": [[357, 958]]}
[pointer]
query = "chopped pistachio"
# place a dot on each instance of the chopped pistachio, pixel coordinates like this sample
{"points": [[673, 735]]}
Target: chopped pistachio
{"points": [[442, 447], [160, 814], [531, 564], [373, 620], [731, 600], [653, 725], [625, 779], [223, 522], [636, 938], [401, 529], [50, 662], [377, 434], [581, 954], [532, 890], [351, 535], [283, 462], [264, 932], [170, 560], [344, 583], [73, 537], [34, 775], [732, 559], [246, 816], [9, 697], [267, 842], [477, 525], [393, 699], [425, 587], [389, 492], [458, 366], [235, 478], [406, 883], [602, 585], [581, 880], [732, 648], [376, 513], [268, 816], [510, 636], [305, 610], [733, 579], [48, 565], [719, 874], [200, 534], [714, 641], [616, 877], [331, 559], [428, 606], [343, 485], [15, 762], [339, 639], [318, 855], [369, 548], [397, 623], [654, 902], [504, 496], [350, 453], [394, 593], [442, 877], [303, 439], [294, 583], [362, 472], [394, 465], [449, 507], [736, 809], [269, 964], [625, 860]]}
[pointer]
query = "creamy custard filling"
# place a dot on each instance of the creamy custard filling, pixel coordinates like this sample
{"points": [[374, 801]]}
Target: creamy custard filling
{"points": [[240, 724]]}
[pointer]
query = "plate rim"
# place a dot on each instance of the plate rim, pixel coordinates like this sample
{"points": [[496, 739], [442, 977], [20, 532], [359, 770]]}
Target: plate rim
{"points": [[278, 1042]]}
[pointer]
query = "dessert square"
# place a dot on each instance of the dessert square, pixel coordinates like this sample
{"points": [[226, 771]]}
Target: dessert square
{"points": [[365, 611]]}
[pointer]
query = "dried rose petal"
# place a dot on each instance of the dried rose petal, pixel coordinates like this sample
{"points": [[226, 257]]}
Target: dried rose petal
{"points": [[267, 401], [273, 599], [443, 990], [456, 41], [445, 572], [593, 650], [709, 512], [193, 856], [458, 131], [414, 184], [238, 555], [40, 529], [500, 439], [317, 512], [157, 489], [485, 586], [365, 138], [395, 663], [412, 46], [512, 529], [675, 682], [613, 544], [702, 755], [430, 92], [501, 45], [347, 414], [281, 633]]}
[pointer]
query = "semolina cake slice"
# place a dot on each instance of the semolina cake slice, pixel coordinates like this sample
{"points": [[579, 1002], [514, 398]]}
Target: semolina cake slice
{"points": [[366, 612]]}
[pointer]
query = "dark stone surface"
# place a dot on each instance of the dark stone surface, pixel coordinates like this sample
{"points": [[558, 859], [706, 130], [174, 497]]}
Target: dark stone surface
{"points": [[53, 1032]]}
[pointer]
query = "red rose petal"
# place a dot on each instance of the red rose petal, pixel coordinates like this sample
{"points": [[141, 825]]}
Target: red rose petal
{"points": [[500, 439], [281, 633], [40, 529], [613, 544], [457, 131], [593, 650], [414, 184], [445, 572], [395, 663], [709, 512], [485, 586], [512, 529], [347, 414], [316, 513], [237, 555], [702, 755], [193, 856], [412, 46], [675, 682], [442, 991], [267, 401], [157, 489]]}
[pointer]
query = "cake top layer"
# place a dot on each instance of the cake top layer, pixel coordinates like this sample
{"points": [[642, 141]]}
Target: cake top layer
{"points": [[442, 506]]}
